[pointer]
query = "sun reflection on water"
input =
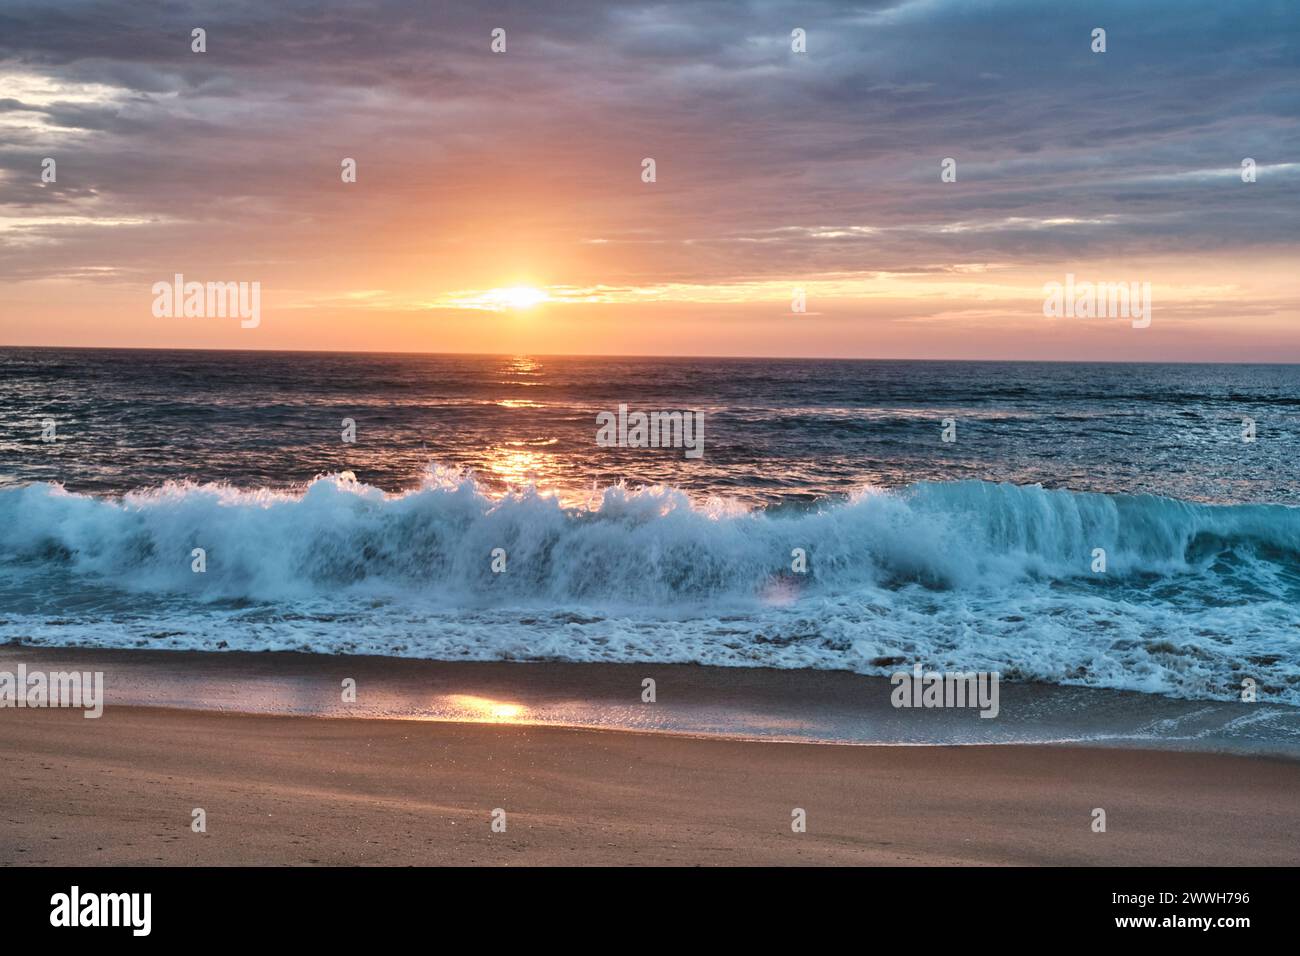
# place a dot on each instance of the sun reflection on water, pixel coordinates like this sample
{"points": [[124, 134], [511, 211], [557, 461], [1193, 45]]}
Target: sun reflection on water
{"points": [[520, 466]]}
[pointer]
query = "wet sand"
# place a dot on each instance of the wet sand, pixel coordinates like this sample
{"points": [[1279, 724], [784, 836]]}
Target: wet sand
{"points": [[736, 702], [299, 789]]}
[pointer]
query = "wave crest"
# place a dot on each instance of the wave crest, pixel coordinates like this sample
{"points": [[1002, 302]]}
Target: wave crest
{"points": [[650, 547]]}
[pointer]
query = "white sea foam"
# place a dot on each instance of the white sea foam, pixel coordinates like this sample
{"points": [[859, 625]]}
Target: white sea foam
{"points": [[961, 576]]}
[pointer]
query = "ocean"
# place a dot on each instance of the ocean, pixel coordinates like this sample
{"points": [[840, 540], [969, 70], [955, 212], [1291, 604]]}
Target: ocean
{"points": [[1126, 526]]}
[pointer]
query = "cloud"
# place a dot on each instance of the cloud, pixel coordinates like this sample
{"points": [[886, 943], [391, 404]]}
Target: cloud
{"points": [[770, 163]]}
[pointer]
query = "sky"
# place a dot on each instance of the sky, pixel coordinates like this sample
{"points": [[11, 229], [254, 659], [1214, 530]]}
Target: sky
{"points": [[500, 202]]}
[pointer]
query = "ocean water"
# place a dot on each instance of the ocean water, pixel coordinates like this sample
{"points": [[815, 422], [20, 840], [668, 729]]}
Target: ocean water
{"points": [[975, 554]]}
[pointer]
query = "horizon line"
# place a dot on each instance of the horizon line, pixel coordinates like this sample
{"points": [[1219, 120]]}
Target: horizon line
{"points": [[595, 355]]}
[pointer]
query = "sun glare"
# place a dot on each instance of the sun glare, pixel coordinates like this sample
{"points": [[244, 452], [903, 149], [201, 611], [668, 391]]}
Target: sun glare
{"points": [[515, 297]]}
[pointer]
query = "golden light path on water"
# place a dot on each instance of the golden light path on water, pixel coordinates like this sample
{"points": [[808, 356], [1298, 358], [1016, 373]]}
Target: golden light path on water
{"points": [[534, 454], [519, 467]]}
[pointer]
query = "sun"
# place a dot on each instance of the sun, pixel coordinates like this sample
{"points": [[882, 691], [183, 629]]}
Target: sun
{"points": [[515, 297]]}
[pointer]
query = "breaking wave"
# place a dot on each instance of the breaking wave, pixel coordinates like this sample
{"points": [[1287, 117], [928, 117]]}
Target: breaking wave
{"points": [[971, 575]]}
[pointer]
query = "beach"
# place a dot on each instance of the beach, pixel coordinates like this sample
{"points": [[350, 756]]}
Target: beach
{"points": [[305, 791], [295, 788]]}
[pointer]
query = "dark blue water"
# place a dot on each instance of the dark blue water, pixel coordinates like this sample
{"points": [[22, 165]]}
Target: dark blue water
{"points": [[775, 430]]}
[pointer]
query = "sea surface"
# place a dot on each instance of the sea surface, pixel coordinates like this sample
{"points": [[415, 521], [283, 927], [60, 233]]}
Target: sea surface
{"points": [[980, 553]]}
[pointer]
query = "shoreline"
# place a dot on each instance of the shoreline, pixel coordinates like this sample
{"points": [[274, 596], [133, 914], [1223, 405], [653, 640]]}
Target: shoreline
{"points": [[311, 785], [735, 703]]}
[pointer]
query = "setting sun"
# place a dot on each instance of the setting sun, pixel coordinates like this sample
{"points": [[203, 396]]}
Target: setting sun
{"points": [[514, 297]]}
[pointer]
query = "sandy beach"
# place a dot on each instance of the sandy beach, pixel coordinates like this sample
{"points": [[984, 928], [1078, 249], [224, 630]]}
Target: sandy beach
{"points": [[299, 789]]}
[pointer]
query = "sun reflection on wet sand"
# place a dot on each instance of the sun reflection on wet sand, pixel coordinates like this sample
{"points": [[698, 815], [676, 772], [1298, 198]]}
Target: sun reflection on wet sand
{"points": [[481, 710]]}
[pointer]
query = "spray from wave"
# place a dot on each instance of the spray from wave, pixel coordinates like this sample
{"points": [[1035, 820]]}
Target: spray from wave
{"points": [[965, 575]]}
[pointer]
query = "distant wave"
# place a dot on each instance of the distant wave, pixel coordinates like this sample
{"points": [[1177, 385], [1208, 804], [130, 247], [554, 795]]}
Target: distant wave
{"points": [[965, 574]]}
